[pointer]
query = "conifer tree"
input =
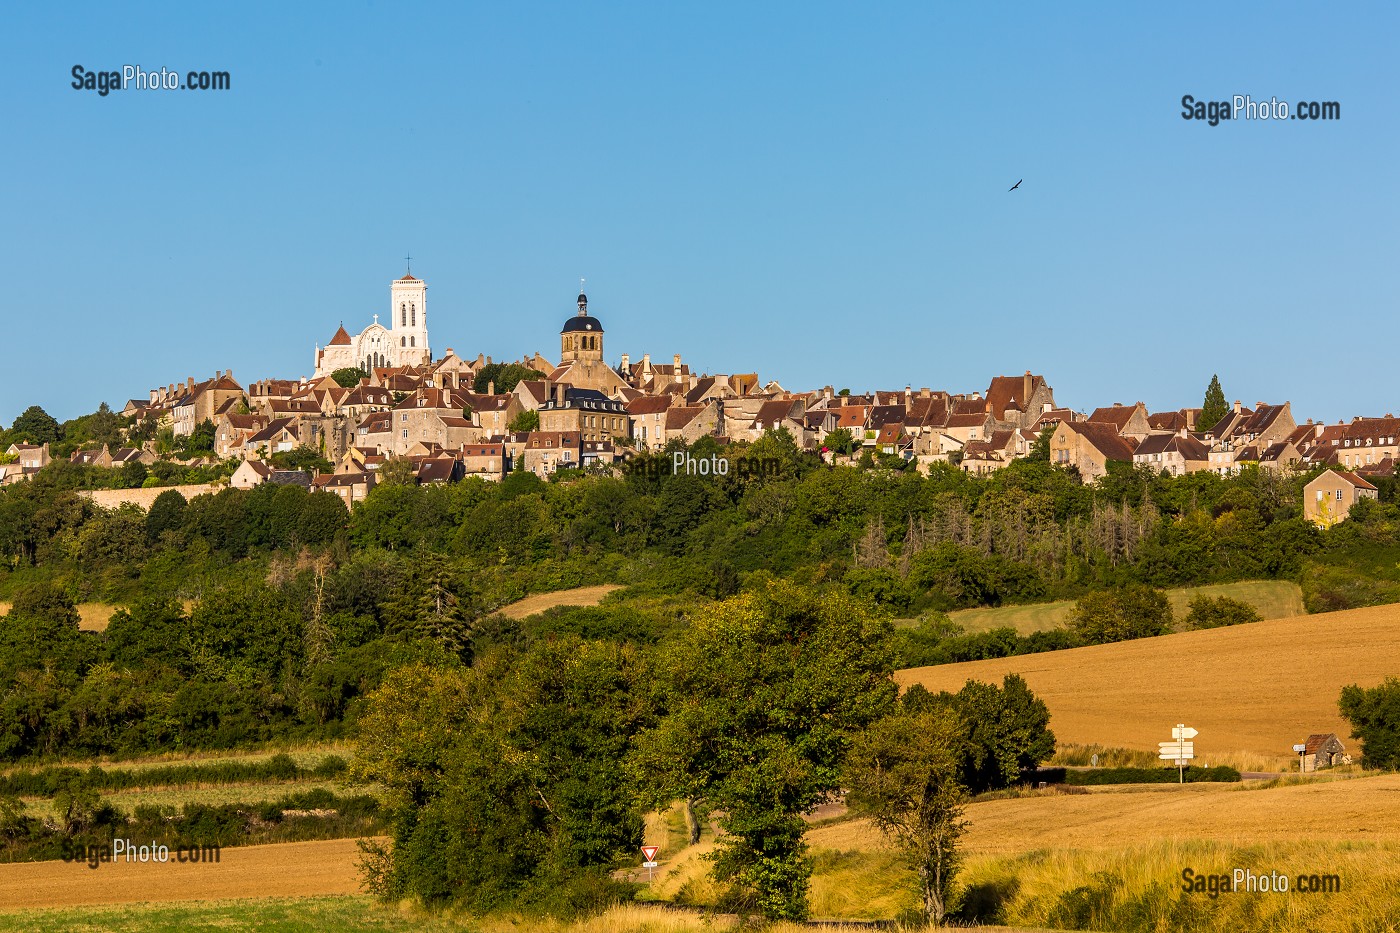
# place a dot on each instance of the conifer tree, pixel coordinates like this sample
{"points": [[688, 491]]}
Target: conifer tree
{"points": [[1214, 407]]}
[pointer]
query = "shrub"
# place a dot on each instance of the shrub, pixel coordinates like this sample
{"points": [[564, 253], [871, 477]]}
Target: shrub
{"points": [[1206, 612], [1120, 615]]}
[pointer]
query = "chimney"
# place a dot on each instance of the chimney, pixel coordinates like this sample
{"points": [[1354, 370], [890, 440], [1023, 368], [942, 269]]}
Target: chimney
{"points": [[646, 362], [1237, 406], [559, 395], [189, 382], [626, 362], [154, 393], [924, 392], [1117, 404], [1317, 431], [491, 387], [676, 362], [1181, 432], [1026, 387]]}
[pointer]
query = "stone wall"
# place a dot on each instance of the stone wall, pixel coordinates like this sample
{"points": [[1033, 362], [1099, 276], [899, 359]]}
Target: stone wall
{"points": [[111, 498]]}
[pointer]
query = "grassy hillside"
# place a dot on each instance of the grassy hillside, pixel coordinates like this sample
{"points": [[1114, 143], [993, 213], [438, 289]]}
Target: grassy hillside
{"points": [[1275, 599], [579, 596], [1255, 688]]}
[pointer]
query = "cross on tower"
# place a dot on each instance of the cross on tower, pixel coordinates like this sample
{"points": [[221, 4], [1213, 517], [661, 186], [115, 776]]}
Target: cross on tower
{"points": [[409, 259]]}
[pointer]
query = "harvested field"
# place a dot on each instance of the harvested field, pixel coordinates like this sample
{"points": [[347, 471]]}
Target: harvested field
{"points": [[293, 869], [1275, 599], [581, 596], [1362, 809], [1254, 688], [92, 617]]}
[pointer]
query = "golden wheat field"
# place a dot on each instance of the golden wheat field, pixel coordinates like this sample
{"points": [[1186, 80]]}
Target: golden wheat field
{"points": [[291, 869], [1362, 809], [1255, 688], [580, 596]]}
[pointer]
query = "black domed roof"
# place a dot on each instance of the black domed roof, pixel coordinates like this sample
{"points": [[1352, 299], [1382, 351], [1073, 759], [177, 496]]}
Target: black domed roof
{"points": [[582, 322]]}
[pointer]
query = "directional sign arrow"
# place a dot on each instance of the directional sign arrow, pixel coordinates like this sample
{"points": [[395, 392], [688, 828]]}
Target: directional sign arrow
{"points": [[1184, 732], [1177, 746], [1176, 757]]}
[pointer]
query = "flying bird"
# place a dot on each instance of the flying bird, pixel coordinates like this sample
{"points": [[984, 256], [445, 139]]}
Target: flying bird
{"points": [[1015, 186]]}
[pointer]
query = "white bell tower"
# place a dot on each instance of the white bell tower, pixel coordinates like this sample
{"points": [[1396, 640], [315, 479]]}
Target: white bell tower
{"points": [[408, 316]]}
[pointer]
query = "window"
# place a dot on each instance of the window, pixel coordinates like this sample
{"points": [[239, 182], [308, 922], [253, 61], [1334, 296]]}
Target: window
{"points": [[413, 314], [413, 341], [403, 341], [403, 314], [1339, 495]]}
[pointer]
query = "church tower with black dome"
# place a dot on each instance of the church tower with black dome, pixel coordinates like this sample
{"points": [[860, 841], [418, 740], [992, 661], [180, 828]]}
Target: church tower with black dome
{"points": [[582, 336]]}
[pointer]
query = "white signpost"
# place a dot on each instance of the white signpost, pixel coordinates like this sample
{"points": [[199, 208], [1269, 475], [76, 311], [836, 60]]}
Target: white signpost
{"points": [[1300, 749], [1180, 749], [649, 853]]}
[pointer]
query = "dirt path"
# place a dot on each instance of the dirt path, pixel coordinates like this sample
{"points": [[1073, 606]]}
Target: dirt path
{"points": [[291, 869]]}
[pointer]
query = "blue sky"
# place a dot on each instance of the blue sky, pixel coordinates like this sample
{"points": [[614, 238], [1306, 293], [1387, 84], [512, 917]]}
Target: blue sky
{"points": [[813, 191]]}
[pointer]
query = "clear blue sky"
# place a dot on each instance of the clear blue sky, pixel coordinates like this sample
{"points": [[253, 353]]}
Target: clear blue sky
{"points": [[813, 191]]}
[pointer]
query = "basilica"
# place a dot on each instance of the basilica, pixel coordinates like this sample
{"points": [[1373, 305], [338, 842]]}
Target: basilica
{"points": [[403, 343]]}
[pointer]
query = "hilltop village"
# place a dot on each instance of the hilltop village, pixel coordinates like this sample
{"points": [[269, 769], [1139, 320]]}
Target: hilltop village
{"points": [[381, 395]]}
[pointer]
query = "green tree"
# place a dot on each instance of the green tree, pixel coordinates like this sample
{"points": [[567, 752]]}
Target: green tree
{"points": [[301, 458], [396, 471], [1374, 713], [348, 377], [1008, 730], [200, 440], [904, 772], [504, 782], [505, 376], [763, 694], [525, 421], [1213, 407], [167, 514], [1040, 447], [841, 440], [1121, 614], [35, 426], [1205, 612]]}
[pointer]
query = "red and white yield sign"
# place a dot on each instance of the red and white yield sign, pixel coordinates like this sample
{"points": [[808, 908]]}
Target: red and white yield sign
{"points": [[649, 852]]}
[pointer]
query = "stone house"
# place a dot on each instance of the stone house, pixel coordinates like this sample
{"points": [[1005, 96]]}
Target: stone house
{"points": [[1176, 454], [1323, 750], [1127, 420], [1328, 498], [1089, 446]]}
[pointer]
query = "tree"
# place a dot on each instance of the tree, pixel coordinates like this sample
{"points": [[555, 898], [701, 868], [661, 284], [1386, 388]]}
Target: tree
{"points": [[1119, 615], [200, 440], [1374, 713], [505, 376], [301, 458], [396, 471], [1040, 447], [1206, 612], [35, 426], [167, 514], [1213, 408], [904, 771], [349, 376], [525, 421], [503, 782], [841, 440], [763, 694], [1008, 730]]}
